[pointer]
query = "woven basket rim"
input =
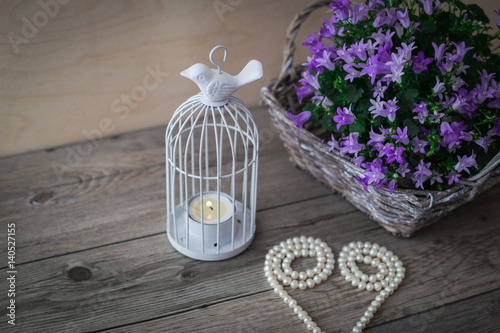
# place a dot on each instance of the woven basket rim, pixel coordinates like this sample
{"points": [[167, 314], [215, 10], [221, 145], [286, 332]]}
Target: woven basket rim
{"points": [[290, 74]]}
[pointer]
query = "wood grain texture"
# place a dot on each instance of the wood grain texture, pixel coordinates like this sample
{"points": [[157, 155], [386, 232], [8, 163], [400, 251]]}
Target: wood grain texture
{"points": [[74, 69], [93, 256], [135, 161], [142, 279]]}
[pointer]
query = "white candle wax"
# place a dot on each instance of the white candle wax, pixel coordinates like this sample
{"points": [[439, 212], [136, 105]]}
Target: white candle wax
{"points": [[210, 208]]}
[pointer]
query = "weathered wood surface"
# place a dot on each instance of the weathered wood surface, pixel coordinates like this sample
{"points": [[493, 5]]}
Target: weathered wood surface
{"points": [[106, 216]]}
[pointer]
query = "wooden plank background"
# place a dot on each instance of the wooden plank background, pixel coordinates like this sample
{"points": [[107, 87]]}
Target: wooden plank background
{"points": [[64, 74], [106, 214]]}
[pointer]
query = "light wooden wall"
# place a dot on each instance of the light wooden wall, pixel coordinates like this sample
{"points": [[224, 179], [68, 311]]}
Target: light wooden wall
{"points": [[64, 84], [68, 77]]}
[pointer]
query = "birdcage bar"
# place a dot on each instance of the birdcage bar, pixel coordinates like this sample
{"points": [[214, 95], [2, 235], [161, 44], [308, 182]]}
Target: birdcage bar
{"points": [[211, 196]]}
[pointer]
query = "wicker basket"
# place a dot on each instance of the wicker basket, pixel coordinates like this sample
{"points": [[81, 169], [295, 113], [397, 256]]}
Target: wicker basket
{"points": [[404, 211]]}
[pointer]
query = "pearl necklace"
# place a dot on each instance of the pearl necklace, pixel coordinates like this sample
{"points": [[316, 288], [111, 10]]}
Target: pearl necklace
{"points": [[278, 271]]}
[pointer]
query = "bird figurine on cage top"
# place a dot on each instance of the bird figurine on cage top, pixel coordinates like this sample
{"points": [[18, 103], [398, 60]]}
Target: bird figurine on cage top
{"points": [[216, 85], [212, 148]]}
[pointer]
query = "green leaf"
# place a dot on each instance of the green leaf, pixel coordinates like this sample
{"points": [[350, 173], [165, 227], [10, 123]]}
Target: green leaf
{"points": [[413, 129], [478, 13], [328, 123], [352, 94], [309, 107], [428, 27], [409, 95], [355, 127]]}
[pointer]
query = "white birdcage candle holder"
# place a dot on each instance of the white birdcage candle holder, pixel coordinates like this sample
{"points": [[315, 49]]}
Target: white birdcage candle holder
{"points": [[211, 146]]}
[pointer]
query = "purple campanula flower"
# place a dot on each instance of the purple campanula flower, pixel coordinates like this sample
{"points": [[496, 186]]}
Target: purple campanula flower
{"points": [[405, 50], [478, 58], [485, 77], [378, 91], [436, 177], [466, 162], [330, 28], [428, 6], [418, 145], [358, 49], [300, 119], [498, 14], [382, 38], [438, 51], [484, 142], [461, 51], [363, 181], [439, 88], [391, 107], [402, 135], [381, 18], [312, 65], [303, 91], [495, 104], [325, 60], [396, 64], [421, 111], [453, 177], [374, 171], [403, 18], [350, 145], [457, 83], [333, 144], [311, 40], [378, 108], [373, 3], [420, 62], [344, 117], [403, 169], [359, 13], [345, 55], [376, 140], [392, 185], [352, 72], [394, 154], [341, 8], [358, 161], [422, 174], [448, 134], [309, 85], [462, 68]]}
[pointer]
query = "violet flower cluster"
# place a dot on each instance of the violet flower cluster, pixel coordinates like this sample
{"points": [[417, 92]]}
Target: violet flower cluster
{"points": [[408, 91]]}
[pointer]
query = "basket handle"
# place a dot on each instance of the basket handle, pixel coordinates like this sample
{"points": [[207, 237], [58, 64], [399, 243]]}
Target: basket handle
{"points": [[291, 33]]}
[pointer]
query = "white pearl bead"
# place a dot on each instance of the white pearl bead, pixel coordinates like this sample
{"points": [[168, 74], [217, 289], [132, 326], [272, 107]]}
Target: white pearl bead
{"points": [[302, 315], [277, 267]]}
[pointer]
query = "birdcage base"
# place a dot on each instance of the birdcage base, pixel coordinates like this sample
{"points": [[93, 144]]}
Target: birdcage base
{"points": [[210, 245]]}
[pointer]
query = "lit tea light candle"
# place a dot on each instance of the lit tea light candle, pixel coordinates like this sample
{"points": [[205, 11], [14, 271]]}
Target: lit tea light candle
{"points": [[211, 208]]}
